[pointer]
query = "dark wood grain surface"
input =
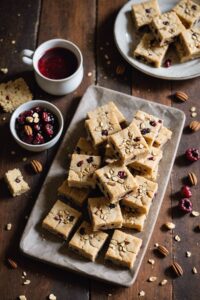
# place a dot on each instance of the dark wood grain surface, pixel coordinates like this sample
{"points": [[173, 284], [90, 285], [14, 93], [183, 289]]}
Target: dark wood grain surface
{"points": [[89, 24]]}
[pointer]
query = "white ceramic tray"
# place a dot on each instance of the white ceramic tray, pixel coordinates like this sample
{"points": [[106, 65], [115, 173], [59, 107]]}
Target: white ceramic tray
{"points": [[127, 38], [52, 249]]}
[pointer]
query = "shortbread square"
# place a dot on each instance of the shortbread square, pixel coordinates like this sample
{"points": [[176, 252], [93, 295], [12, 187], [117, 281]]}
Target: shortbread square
{"points": [[148, 163], [148, 125], [86, 242], [115, 181], [81, 171], [85, 146], [144, 12], [77, 196], [166, 27], [123, 249], [163, 137], [61, 219], [104, 110], [188, 45], [16, 184], [149, 51], [128, 144], [141, 198], [188, 12], [100, 128], [103, 214], [13, 94], [132, 218]]}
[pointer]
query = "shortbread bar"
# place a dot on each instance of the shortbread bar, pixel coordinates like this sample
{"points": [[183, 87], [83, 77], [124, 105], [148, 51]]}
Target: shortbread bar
{"points": [[86, 242], [104, 110], [149, 162], [188, 46], [109, 155], [16, 183], [163, 136], [123, 249], [101, 127], [152, 177], [149, 51], [132, 218], [128, 144], [144, 12], [82, 169], [115, 181], [142, 197], [166, 27], [103, 214], [77, 196], [61, 219], [85, 146], [148, 125], [188, 12]]}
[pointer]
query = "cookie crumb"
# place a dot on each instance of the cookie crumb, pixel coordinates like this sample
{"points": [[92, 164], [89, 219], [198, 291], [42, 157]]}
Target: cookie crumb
{"points": [[188, 253], [52, 297], [22, 297], [163, 282], [141, 294], [24, 159], [4, 70], [27, 282], [195, 213], [194, 270], [177, 238], [12, 152], [89, 74], [151, 261], [13, 42], [152, 278], [8, 226]]}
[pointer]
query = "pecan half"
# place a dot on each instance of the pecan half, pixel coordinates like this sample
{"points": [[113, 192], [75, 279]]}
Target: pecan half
{"points": [[177, 269], [28, 130], [192, 178], [181, 96], [36, 166], [194, 125]]}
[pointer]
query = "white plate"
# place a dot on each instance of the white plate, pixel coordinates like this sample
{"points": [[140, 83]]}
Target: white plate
{"points": [[42, 245], [126, 40]]}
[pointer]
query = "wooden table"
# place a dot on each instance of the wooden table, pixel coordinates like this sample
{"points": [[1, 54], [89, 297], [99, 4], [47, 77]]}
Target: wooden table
{"points": [[89, 24]]}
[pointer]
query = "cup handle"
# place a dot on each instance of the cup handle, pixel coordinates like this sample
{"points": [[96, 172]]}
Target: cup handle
{"points": [[26, 57]]}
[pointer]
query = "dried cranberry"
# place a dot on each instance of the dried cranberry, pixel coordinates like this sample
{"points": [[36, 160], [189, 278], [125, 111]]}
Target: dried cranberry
{"points": [[37, 127], [159, 121], [90, 159], [39, 139], [112, 205], [21, 119], [79, 164], [45, 117], [145, 131], [104, 132], [168, 63], [186, 191], [165, 23], [82, 231], [78, 150], [122, 174], [194, 7], [185, 205], [153, 123], [148, 10], [48, 128], [7, 97], [150, 158], [71, 218], [17, 180], [192, 154], [137, 139]]}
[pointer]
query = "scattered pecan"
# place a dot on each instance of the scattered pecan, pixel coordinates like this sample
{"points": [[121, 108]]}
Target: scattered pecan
{"points": [[181, 96], [28, 130], [36, 166], [12, 263], [192, 178], [194, 125], [163, 250], [177, 269]]}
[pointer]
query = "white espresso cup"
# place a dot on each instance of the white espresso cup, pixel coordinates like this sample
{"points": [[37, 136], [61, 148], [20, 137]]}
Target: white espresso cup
{"points": [[54, 86]]}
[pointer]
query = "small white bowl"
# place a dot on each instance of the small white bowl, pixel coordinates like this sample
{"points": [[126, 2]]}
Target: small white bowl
{"points": [[27, 106]]}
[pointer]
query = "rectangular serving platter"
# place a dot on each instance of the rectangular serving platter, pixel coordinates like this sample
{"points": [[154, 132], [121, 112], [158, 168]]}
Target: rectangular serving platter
{"points": [[39, 244]]}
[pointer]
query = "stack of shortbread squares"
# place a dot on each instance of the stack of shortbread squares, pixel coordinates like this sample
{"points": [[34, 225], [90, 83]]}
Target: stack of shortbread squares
{"points": [[111, 184], [178, 27]]}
